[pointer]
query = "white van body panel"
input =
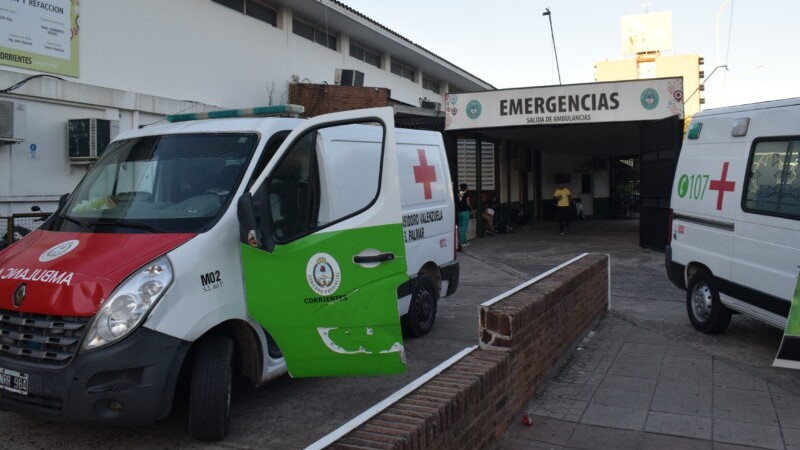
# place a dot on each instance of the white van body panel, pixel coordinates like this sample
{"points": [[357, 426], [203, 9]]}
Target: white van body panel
{"points": [[428, 223], [744, 248], [189, 309]]}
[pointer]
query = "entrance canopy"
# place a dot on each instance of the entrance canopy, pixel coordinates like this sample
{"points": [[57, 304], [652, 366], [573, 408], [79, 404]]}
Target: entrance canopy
{"points": [[620, 101], [574, 133], [607, 139]]}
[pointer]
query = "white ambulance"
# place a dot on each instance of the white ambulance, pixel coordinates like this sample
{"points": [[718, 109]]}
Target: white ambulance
{"points": [[243, 246], [735, 225]]}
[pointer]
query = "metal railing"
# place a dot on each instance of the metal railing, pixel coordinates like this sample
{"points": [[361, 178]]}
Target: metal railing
{"points": [[16, 226]]}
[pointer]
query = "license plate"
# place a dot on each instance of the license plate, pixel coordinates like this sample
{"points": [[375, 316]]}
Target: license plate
{"points": [[13, 381]]}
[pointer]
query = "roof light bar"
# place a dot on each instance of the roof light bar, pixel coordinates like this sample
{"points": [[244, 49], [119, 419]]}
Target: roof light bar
{"points": [[694, 130], [259, 111]]}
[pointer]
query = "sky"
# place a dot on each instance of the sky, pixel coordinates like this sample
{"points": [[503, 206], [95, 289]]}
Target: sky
{"points": [[507, 43]]}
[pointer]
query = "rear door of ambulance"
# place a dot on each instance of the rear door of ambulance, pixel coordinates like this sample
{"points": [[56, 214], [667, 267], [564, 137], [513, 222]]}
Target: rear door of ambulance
{"points": [[323, 266], [767, 247]]}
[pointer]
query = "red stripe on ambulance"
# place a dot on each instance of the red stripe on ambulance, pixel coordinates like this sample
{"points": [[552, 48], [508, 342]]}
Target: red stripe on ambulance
{"points": [[71, 274]]}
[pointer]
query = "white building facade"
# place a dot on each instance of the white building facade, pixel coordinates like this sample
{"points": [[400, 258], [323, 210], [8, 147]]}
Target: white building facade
{"points": [[133, 63]]}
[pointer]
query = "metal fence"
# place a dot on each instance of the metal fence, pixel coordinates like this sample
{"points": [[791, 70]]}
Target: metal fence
{"points": [[17, 226], [625, 187]]}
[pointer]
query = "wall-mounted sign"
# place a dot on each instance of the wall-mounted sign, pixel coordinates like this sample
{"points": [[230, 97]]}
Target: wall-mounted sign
{"points": [[40, 35], [577, 103]]}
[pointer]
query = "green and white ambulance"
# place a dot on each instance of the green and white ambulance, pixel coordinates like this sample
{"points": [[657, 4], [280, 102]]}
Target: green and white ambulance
{"points": [[205, 249], [735, 227]]}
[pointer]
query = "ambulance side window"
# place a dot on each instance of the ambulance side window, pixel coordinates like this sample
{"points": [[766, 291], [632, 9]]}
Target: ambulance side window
{"points": [[269, 151], [350, 167], [292, 191], [773, 186], [325, 176]]}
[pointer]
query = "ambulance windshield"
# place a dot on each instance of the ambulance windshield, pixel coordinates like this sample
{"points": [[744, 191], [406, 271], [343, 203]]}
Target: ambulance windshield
{"points": [[171, 183]]}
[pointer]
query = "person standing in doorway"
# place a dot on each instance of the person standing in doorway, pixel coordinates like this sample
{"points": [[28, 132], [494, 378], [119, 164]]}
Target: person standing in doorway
{"points": [[563, 198], [463, 211]]}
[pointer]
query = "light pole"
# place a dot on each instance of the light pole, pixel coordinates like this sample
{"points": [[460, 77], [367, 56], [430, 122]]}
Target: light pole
{"points": [[723, 66], [553, 37]]}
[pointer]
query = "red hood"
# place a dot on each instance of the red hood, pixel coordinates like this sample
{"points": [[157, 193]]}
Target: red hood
{"points": [[76, 281]]}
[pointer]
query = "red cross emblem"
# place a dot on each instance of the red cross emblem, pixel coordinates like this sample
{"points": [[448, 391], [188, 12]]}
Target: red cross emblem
{"points": [[722, 185], [425, 174]]}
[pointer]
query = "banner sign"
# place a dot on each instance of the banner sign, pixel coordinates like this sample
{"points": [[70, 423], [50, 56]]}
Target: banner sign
{"points": [[40, 35], [619, 101], [789, 353]]}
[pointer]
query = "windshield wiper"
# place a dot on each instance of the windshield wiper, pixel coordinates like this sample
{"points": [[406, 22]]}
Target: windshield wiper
{"points": [[75, 221], [127, 224]]}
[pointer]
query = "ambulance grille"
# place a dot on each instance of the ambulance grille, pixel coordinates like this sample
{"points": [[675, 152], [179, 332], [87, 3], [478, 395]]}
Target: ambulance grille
{"points": [[40, 339]]}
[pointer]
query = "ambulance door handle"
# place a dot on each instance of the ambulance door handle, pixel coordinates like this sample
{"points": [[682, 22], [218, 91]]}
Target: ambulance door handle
{"points": [[379, 258], [366, 259]]}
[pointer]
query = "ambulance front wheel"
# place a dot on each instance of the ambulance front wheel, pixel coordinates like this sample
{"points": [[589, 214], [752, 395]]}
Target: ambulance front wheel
{"points": [[706, 311], [210, 392], [422, 312]]}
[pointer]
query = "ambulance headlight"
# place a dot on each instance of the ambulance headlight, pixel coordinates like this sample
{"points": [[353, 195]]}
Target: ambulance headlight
{"points": [[129, 304]]}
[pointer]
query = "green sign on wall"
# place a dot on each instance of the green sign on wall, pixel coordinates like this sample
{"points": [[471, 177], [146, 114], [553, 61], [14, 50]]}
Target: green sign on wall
{"points": [[41, 35]]}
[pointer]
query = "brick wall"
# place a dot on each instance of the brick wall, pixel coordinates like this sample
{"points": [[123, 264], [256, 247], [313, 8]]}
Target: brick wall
{"points": [[324, 98], [521, 337]]}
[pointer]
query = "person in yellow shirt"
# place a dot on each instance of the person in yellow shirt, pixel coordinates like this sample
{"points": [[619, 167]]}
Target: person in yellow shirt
{"points": [[563, 198]]}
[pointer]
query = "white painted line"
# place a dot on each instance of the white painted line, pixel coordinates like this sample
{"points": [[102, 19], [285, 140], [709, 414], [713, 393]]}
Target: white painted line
{"points": [[608, 308], [522, 286], [357, 421]]}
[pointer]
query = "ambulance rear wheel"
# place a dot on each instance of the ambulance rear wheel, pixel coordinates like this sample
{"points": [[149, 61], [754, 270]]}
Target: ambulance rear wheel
{"points": [[422, 312], [706, 311], [210, 391]]}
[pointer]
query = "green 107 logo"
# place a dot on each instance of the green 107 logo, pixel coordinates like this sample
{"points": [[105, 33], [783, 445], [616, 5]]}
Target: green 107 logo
{"points": [[693, 185]]}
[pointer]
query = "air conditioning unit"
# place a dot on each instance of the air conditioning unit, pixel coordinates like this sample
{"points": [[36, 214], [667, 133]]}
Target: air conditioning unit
{"points": [[430, 105], [347, 77], [88, 138], [13, 121]]}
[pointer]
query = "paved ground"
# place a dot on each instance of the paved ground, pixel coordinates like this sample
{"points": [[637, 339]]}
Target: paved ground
{"points": [[645, 379], [714, 388]]}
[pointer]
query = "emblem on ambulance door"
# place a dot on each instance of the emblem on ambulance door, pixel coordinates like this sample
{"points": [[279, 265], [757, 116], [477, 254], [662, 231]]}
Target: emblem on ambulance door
{"points": [[59, 250], [323, 274], [19, 295]]}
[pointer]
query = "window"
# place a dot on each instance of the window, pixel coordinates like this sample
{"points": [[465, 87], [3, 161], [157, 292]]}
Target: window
{"points": [[772, 185], [261, 12], [313, 33], [364, 54], [403, 70], [431, 84], [169, 183], [467, 165], [254, 9], [312, 185], [292, 191]]}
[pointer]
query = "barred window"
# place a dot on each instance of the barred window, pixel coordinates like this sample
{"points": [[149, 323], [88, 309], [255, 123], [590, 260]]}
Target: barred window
{"points": [[362, 53], [313, 33], [255, 9], [403, 70], [467, 164], [431, 84]]}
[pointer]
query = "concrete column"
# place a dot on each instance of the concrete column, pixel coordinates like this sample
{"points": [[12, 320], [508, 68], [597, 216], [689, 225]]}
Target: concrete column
{"points": [[284, 21], [386, 62]]}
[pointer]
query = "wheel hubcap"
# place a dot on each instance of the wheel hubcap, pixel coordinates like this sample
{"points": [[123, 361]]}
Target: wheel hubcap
{"points": [[701, 302], [425, 307]]}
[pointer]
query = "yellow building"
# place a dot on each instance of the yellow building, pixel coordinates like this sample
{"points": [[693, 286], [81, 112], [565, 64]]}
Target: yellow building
{"points": [[645, 38]]}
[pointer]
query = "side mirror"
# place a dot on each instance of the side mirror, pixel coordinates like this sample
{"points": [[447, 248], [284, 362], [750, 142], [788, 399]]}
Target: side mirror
{"points": [[61, 203], [253, 232], [63, 200]]}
